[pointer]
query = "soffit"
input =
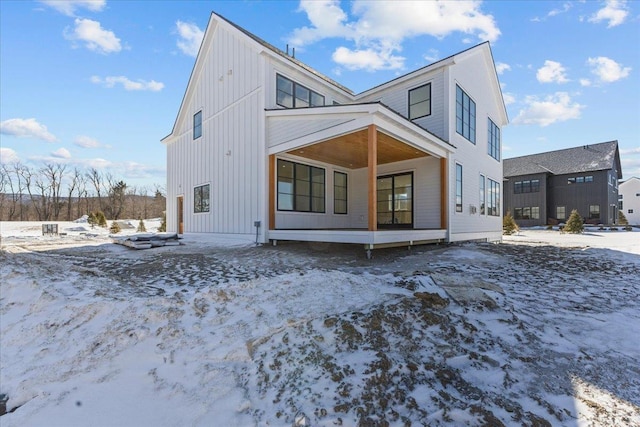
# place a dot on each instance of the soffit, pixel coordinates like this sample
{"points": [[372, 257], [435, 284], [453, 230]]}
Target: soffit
{"points": [[350, 151]]}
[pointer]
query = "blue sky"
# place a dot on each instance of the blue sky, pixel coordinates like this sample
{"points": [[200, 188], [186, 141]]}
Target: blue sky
{"points": [[99, 83]]}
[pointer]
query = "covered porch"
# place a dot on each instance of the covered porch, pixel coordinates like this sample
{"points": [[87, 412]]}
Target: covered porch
{"points": [[397, 175]]}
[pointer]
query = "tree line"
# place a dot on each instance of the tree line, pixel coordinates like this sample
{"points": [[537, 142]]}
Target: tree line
{"points": [[56, 192]]}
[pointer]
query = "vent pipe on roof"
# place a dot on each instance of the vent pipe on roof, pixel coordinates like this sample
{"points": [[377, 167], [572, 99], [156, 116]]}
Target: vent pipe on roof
{"points": [[294, 52]]}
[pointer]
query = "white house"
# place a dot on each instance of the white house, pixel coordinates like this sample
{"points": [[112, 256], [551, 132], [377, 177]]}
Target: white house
{"points": [[264, 145], [629, 193]]}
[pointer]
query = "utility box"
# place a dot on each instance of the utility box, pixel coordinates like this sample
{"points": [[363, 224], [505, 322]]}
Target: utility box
{"points": [[49, 229]]}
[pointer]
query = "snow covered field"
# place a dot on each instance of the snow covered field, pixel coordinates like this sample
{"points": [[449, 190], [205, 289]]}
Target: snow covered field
{"points": [[540, 330]]}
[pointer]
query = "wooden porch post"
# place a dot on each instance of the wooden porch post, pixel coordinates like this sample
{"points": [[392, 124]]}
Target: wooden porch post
{"points": [[372, 167], [272, 192], [444, 192]]}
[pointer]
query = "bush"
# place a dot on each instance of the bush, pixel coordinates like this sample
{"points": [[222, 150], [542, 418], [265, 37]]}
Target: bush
{"points": [[101, 220], [574, 224], [622, 220], [141, 227], [509, 225], [115, 227], [92, 220], [163, 225]]}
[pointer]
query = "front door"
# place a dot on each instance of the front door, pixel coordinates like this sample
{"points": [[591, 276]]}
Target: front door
{"points": [[395, 201], [180, 215]]}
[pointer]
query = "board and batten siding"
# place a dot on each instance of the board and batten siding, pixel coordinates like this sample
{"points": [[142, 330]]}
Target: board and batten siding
{"points": [[396, 97], [474, 158], [230, 154], [281, 130]]}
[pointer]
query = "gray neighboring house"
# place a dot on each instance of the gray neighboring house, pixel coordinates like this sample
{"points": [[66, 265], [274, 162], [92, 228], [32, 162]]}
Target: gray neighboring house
{"points": [[544, 188]]}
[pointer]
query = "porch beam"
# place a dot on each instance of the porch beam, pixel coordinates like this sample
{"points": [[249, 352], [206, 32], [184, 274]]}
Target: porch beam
{"points": [[443, 193], [372, 168], [272, 192]]}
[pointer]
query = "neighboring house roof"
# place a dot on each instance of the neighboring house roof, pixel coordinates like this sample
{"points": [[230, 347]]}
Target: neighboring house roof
{"points": [[587, 158]]}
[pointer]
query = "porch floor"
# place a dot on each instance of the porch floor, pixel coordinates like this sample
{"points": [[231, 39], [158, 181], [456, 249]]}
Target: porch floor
{"points": [[370, 239]]}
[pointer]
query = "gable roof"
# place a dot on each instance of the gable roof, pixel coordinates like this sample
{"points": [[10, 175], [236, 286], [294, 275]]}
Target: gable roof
{"points": [[215, 19], [587, 158]]}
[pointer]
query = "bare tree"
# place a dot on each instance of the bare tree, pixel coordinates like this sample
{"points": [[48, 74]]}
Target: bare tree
{"points": [[117, 194], [53, 173], [71, 186], [97, 180]]}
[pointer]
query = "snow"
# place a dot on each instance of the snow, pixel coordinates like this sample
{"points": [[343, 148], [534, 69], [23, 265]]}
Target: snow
{"points": [[218, 331]]}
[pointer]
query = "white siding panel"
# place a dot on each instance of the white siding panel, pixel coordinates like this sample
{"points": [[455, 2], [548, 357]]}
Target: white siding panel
{"points": [[227, 156], [281, 130], [471, 73], [397, 98]]}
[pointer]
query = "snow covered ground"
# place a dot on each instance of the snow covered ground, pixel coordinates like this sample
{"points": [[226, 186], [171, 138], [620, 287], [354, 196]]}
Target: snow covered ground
{"points": [[540, 330]]}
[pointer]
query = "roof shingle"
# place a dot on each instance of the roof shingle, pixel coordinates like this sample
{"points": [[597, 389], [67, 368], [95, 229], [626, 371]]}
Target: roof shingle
{"points": [[587, 158]]}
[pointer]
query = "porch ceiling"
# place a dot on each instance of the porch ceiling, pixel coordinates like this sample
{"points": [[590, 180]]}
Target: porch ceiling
{"points": [[350, 150]]}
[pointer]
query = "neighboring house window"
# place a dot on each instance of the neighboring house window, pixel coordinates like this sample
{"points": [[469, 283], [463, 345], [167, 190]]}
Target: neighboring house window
{"points": [[420, 102], [580, 179], [571, 180], [301, 187], [526, 186], [588, 178], [561, 212], [630, 211], [339, 193], [290, 94], [529, 212], [493, 205], [458, 187], [201, 199], [482, 194], [494, 140], [197, 125], [465, 115], [594, 211]]}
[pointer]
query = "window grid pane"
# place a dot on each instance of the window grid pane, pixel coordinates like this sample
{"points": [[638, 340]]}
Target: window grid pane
{"points": [[339, 193], [465, 115], [301, 188], [420, 102]]}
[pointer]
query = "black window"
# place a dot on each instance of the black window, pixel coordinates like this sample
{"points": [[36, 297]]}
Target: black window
{"points": [[301, 187], [197, 125], [465, 115], [561, 212], [493, 204], [420, 102], [482, 194], [571, 180], [494, 140], [458, 187], [339, 193], [517, 187], [290, 94], [594, 211], [201, 199], [535, 185], [588, 178]]}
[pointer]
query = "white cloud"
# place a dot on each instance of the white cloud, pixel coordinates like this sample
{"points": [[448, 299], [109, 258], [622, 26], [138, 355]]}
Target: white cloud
{"points": [[368, 59], [26, 128], [554, 108], [635, 150], [614, 11], [86, 142], [508, 98], [565, 8], [68, 7], [379, 27], [7, 155], [552, 71], [501, 67], [585, 82], [607, 69], [127, 84], [432, 56], [190, 38], [61, 153], [94, 36]]}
